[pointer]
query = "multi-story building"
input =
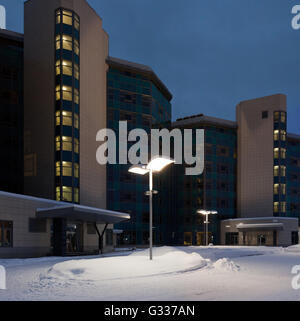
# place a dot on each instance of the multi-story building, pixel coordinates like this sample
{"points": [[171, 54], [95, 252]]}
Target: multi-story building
{"points": [[64, 107], [215, 189], [11, 111], [261, 176], [251, 178], [72, 89], [138, 96]]}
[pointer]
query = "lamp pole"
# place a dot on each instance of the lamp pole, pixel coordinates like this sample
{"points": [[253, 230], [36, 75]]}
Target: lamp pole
{"points": [[151, 212], [206, 213], [157, 164]]}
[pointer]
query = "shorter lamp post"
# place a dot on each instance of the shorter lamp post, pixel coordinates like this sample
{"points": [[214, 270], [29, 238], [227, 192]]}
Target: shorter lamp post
{"points": [[206, 213], [157, 164]]}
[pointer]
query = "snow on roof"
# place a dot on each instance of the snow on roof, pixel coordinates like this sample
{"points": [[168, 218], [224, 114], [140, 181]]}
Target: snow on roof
{"points": [[260, 218]]}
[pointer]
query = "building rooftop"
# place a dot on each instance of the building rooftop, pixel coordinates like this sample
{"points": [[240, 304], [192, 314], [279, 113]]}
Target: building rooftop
{"points": [[293, 136], [11, 35], [202, 119], [141, 69]]}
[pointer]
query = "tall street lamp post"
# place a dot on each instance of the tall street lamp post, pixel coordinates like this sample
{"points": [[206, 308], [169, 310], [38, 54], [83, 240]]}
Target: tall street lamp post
{"points": [[207, 213], [157, 164]]}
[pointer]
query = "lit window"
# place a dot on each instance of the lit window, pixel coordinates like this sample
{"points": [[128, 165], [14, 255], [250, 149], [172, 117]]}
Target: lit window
{"points": [[57, 92], [58, 18], [283, 135], [276, 207], [57, 42], [66, 118], [76, 145], [276, 170], [76, 121], [76, 195], [67, 93], [276, 116], [76, 71], [276, 153], [283, 171], [276, 189], [66, 41], [276, 135], [283, 207], [67, 194], [66, 143], [76, 96], [76, 25], [283, 153], [76, 47], [67, 18], [283, 189], [58, 193], [283, 117], [76, 170]]}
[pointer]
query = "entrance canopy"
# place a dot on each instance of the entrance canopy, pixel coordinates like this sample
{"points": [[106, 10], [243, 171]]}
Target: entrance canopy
{"points": [[260, 226], [82, 213]]}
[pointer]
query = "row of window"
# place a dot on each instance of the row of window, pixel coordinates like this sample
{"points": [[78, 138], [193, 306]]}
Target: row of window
{"points": [[67, 65], [280, 171], [66, 169], [68, 43], [66, 93], [66, 17], [279, 207], [66, 144], [279, 189], [279, 135], [66, 68], [280, 116], [279, 153], [65, 118], [66, 195]]}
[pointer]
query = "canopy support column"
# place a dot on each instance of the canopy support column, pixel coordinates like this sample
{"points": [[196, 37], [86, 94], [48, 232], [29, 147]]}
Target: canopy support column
{"points": [[100, 235]]}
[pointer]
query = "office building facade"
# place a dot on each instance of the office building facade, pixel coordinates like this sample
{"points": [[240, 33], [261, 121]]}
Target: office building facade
{"points": [[138, 96], [63, 209], [72, 89]]}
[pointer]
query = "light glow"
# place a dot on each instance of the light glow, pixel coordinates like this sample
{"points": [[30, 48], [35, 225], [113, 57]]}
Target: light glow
{"points": [[157, 164], [139, 169]]}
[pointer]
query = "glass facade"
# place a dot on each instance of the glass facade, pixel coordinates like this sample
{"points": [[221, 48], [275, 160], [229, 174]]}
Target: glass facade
{"points": [[293, 176], [11, 114], [132, 97], [67, 109], [280, 150], [215, 189]]}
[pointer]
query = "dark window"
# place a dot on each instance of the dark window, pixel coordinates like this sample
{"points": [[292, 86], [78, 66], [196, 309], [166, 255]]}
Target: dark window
{"points": [[232, 238], [109, 237], [91, 229], [223, 169], [265, 114], [223, 203], [145, 218], [295, 238], [222, 151], [145, 237], [209, 149], [6, 234], [37, 225]]}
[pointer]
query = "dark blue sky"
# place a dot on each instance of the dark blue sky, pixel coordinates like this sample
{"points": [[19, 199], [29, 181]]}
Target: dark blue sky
{"points": [[210, 54]]}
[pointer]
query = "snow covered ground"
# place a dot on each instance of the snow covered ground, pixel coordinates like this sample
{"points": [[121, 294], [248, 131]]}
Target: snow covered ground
{"points": [[176, 273]]}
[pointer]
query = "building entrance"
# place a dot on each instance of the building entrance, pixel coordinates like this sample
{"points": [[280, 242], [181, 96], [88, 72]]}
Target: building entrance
{"points": [[74, 238]]}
